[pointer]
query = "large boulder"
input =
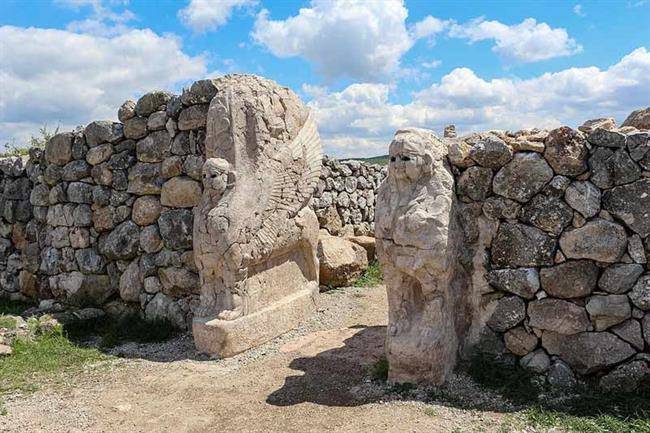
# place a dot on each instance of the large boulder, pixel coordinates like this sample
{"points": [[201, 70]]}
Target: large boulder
{"points": [[521, 281], [341, 261], [152, 101], [519, 245], [587, 352], [520, 341], [640, 119], [523, 177], [572, 279], [599, 240], [508, 313], [566, 151], [58, 149], [631, 203], [491, 152], [638, 144], [103, 131], [558, 316], [180, 192]]}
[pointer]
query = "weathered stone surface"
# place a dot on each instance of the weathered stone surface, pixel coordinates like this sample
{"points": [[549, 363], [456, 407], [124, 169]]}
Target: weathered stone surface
{"points": [[557, 186], [572, 279], [522, 281], [518, 245], [121, 243], [412, 247], [58, 149], [547, 213], [607, 311], [103, 131], [537, 361], [89, 261], [645, 326], [83, 289], [341, 261], [103, 219], [598, 240], [584, 197], [193, 117], [162, 307], [131, 282], [558, 316], [587, 352], [176, 228], [519, 341], [607, 138], [135, 128], [144, 179], [640, 294], [126, 111], [180, 192], [152, 101], [368, 244], [630, 331], [640, 119], [150, 239], [560, 376], [631, 203], [154, 147], [566, 151], [491, 152], [157, 121], [626, 378], [509, 312], [497, 207], [523, 177], [171, 167], [178, 282], [638, 144], [475, 183], [604, 122], [200, 92], [459, 154], [146, 210], [612, 168], [620, 278], [79, 192]]}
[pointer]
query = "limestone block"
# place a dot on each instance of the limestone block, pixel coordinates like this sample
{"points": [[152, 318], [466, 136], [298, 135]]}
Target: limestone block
{"points": [[341, 261]]}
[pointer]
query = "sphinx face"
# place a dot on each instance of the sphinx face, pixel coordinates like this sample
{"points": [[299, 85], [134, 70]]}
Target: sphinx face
{"points": [[215, 175], [406, 162]]}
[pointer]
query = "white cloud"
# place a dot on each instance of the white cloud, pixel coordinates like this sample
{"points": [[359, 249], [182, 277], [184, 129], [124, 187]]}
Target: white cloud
{"points": [[206, 15], [60, 77], [577, 9], [360, 120], [429, 27], [432, 64], [528, 41], [344, 38]]}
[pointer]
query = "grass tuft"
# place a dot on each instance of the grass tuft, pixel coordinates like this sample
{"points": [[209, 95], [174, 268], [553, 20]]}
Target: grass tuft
{"points": [[13, 308], [7, 322], [372, 276]]}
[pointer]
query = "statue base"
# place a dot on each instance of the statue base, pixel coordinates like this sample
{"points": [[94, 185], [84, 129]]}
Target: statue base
{"points": [[227, 338]]}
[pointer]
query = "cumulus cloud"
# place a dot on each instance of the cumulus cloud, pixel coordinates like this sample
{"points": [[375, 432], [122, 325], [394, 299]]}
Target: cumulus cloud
{"points": [[528, 41], [345, 38], [60, 77], [360, 120], [206, 15], [429, 27], [577, 9]]}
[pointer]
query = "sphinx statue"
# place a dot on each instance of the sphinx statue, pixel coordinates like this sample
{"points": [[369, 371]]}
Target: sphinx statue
{"points": [[255, 237], [412, 219]]}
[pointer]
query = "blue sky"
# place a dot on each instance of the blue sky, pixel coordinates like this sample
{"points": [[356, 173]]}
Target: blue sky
{"points": [[366, 68]]}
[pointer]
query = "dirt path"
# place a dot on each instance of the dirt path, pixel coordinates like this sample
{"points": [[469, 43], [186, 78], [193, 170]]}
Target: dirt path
{"points": [[312, 379]]}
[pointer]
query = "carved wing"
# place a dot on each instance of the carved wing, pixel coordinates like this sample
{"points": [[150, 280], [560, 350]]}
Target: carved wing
{"points": [[294, 186]]}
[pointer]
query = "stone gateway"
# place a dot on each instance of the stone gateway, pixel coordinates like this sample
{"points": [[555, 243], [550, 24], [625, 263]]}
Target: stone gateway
{"points": [[255, 237]]}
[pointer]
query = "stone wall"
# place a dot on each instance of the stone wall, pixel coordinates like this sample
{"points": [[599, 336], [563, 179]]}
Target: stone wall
{"points": [[345, 199], [556, 228], [112, 210]]}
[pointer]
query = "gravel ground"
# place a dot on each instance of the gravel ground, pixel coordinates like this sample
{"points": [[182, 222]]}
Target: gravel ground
{"points": [[314, 378]]}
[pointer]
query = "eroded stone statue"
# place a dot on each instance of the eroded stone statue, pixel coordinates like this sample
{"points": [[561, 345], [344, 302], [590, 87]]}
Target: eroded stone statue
{"points": [[412, 220], [255, 238]]}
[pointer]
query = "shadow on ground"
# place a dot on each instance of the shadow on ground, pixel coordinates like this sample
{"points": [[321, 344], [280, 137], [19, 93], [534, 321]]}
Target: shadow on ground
{"points": [[331, 376]]}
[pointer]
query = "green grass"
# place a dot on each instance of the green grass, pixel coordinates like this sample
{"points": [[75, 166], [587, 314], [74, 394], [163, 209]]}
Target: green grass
{"points": [[539, 417], [371, 277], [380, 160], [112, 332], [7, 322], [13, 307]]}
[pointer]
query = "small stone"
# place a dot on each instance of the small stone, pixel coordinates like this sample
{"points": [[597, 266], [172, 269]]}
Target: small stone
{"points": [[598, 240], [163, 307], [607, 138], [98, 154], [572, 279], [79, 192], [537, 361], [102, 174], [491, 152], [459, 154], [635, 249], [131, 282], [146, 210], [152, 101], [150, 240], [193, 165], [557, 186], [606, 311], [135, 128], [89, 261], [193, 117], [200, 92], [157, 121], [522, 281], [604, 122], [475, 183], [178, 282], [583, 197], [620, 278], [640, 294], [523, 177], [509, 312], [180, 192], [519, 341], [587, 352], [518, 245], [103, 131], [558, 316], [638, 144], [547, 213], [103, 218], [566, 151], [171, 167], [560, 376], [76, 170], [126, 111], [630, 331], [152, 285], [145, 179]]}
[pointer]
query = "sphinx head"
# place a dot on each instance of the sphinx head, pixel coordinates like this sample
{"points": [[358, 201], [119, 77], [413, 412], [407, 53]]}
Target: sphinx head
{"points": [[217, 175], [411, 155]]}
